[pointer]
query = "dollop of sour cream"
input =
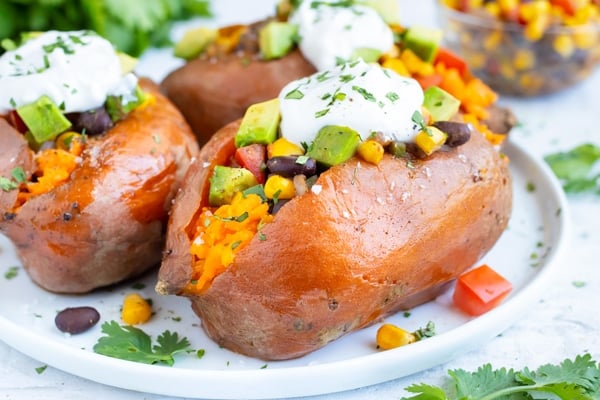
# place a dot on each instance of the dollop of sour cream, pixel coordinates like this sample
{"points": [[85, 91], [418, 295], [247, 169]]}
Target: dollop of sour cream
{"points": [[365, 97], [76, 69], [330, 32]]}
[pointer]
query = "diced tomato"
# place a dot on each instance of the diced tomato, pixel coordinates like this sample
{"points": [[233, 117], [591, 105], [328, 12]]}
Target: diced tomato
{"points": [[451, 60], [429, 80], [569, 6], [16, 121], [253, 158], [479, 290]]}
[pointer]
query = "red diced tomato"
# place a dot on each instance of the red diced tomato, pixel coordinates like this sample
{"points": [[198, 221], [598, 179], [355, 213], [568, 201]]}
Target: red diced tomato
{"points": [[569, 6], [451, 60], [429, 80], [16, 121], [479, 290], [253, 158]]}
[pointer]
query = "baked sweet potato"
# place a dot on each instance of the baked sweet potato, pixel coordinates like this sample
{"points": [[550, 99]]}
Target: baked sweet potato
{"points": [[107, 221], [213, 90], [373, 240], [231, 73]]}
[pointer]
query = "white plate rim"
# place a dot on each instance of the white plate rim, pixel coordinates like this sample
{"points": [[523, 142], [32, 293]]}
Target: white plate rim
{"points": [[299, 380]]}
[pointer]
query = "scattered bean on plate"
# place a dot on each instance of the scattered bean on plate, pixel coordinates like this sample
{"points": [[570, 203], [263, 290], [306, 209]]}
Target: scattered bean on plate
{"points": [[76, 319]]}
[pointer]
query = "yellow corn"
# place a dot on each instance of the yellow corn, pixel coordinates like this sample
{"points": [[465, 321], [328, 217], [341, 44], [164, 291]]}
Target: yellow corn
{"points": [[279, 187], [430, 140], [493, 9], [390, 336], [371, 151], [492, 40], [563, 45], [70, 141], [397, 66], [534, 30], [523, 59], [136, 310], [283, 147], [586, 38]]}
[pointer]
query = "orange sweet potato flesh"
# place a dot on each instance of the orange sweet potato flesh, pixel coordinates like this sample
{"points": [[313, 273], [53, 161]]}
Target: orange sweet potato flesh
{"points": [[373, 241], [214, 92], [107, 223]]}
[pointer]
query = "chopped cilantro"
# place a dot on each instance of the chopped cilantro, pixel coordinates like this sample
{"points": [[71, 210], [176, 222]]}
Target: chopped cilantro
{"points": [[130, 343], [295, 94], [364, 93], [392, 96], [41, 369], [321, 113], [12, 272], [575, 168]]}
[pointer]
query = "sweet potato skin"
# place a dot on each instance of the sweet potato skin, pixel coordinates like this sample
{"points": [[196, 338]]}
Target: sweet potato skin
{"points": [[374, 240], [214, 92], [108, 222]]}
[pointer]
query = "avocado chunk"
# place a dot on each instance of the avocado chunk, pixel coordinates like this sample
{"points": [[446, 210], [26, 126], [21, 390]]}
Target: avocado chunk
{"points": [[194, 42], [259, 124], [389, 10], [44, 119], [368, 55], [333, 145], [441, 105], [423, 41], [226, 182], [128, 63], [276, 39]]}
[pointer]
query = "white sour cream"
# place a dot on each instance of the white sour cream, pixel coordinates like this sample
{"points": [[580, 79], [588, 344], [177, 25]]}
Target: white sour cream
{"points": [[77, 70], [365, 97], [329, 33]]}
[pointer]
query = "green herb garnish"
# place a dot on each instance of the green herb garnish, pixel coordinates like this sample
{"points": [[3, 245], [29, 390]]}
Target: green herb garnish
{"points": [[295, 94], [575, 168], [132, 344], [364, 93], [577, 379]]}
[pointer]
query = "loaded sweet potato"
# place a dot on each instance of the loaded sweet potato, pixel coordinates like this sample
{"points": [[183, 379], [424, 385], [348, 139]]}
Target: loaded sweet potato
{"points": [[372, 205], [230, 68], [91, 159]]}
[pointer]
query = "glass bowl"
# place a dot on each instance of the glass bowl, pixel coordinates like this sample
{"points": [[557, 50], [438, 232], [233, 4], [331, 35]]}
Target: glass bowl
{"points": [[504, 56]]}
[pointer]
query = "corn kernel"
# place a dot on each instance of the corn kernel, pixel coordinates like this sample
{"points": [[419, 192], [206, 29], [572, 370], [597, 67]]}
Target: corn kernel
{"points": [[278, 187], [71, 142], [523, 59], [493, 9], [397, 66], [534, 30], [136, 310], [390, 336], [283, 147], [430, 140], [492, 40], [563, 45], [371, 151], [585, 38], [531, 82], [507, 71]]}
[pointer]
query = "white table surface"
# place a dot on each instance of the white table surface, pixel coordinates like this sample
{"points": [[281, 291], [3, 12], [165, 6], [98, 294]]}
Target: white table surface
{"points": [[565, 323]]}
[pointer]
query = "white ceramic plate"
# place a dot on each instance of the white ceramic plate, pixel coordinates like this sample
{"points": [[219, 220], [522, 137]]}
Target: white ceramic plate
{"points": [[527, 254]]}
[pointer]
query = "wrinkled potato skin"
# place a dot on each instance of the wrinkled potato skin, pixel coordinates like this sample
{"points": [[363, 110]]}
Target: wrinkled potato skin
{"points": [[108, 222], [375, 240], [214, 92]]}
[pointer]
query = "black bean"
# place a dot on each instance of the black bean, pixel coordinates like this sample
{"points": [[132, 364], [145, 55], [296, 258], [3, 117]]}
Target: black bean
{"points": [[458, 133], [94, 122], [289, 166], [76, 319]]}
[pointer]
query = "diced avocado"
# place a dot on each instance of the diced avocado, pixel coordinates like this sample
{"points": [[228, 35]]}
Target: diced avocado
{"points": [[388, 9], [226, 182], [128, 63], [43, 119], [441, 105], [259, 124], [276, 39], [194, 42], [117, 109], [368, 55], [423, 41], [333, 145]]}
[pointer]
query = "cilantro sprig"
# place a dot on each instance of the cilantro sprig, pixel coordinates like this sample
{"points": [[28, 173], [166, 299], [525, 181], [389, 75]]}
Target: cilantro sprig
{"points": [[577, 379], [133, 344], [575, 168]]}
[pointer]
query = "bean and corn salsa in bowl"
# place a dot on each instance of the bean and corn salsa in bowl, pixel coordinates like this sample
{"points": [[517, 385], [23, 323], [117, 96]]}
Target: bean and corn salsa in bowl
{"points": [[524, 47]]}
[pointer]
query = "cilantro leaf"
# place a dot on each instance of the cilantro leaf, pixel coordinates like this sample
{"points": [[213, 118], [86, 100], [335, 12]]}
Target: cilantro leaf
{"points": [[133, 344], [575, 168], [577, 379]]}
